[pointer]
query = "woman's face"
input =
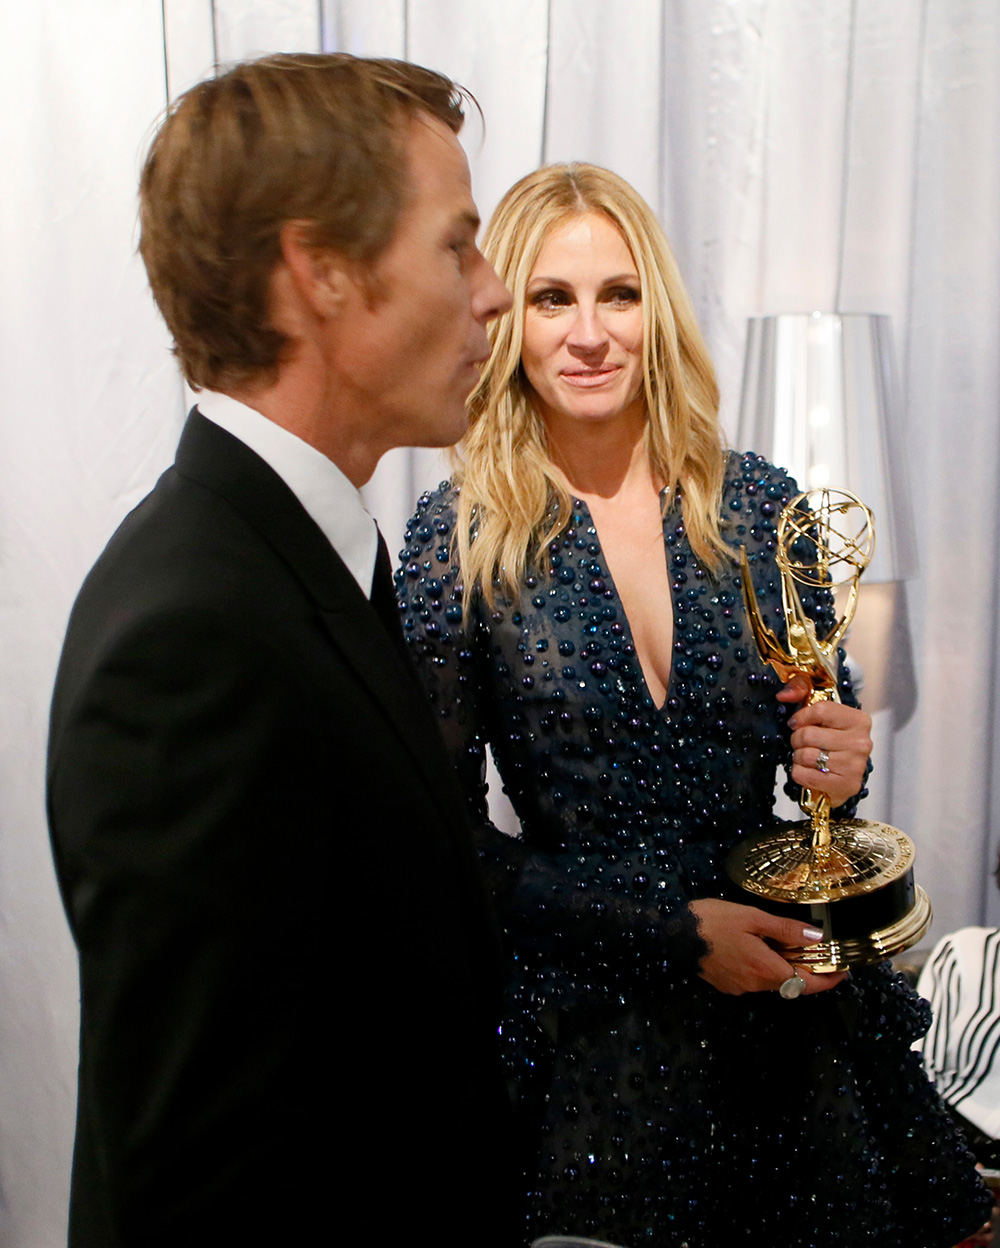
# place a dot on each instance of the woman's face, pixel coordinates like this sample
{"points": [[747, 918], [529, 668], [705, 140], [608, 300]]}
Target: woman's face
{"points": [[582, 348]]}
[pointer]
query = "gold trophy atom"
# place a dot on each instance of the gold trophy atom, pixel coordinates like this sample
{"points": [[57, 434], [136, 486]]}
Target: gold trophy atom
{"points": [[852, 878]]}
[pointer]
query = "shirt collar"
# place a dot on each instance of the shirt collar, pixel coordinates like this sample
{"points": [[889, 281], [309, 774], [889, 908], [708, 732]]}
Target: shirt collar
{"points": [[332, 501]]}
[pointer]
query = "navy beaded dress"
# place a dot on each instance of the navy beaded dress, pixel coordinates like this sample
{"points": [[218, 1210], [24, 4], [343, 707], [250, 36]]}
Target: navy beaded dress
{"points": [[654, 1109]]}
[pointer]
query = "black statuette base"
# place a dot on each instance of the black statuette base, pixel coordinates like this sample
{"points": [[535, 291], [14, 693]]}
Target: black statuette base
{"points": [[860, 893]]}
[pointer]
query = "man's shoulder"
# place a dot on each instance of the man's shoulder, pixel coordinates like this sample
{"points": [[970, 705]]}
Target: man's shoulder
{"points": [[184, 573], [181, 536]]}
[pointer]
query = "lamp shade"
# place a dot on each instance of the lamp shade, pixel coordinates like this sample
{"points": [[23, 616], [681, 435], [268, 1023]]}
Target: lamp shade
{"points": [[819, 398]]}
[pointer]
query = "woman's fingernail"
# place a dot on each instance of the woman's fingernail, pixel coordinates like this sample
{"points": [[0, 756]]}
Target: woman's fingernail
{"points": [[812, 933]]}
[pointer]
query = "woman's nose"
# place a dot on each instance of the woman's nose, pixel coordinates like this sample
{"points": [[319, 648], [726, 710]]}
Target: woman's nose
{"points": [[587, 333]]}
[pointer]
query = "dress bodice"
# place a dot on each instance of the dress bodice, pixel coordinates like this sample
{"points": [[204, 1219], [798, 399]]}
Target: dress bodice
{"points": [[589, 762]]}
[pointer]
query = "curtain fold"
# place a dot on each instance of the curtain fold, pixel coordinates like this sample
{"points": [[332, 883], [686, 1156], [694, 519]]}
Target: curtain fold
{"points": [[801, 154], [89, 416], [952, 381]]}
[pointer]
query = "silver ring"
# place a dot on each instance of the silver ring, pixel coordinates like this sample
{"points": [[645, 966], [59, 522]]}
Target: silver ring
{"points": [[794, 986], [823, 762]]}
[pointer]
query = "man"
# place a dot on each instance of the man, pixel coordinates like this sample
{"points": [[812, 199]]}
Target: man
{"points": [[289, 977]]}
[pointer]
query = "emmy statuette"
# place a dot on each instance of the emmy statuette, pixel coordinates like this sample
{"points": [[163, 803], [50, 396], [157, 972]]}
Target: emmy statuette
{"points": [[852, 878]]}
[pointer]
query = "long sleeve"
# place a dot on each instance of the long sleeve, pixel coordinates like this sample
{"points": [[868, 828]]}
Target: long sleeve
{"points": [[178, 818], [941, 984], [591, 901]]}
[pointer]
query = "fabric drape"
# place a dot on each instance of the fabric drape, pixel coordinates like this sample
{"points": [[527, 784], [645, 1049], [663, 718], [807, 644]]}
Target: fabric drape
{"points": [[802, 154]]}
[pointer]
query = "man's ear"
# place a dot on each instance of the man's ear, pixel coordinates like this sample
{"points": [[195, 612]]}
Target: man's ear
{"points": [[321, 275]]}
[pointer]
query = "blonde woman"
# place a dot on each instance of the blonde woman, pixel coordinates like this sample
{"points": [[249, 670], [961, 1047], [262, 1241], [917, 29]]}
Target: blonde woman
{"points": [[572, 599]]}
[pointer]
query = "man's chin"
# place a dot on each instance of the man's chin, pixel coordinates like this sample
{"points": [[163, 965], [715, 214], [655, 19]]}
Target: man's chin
{"points": [[433, 430], [448, 433]]}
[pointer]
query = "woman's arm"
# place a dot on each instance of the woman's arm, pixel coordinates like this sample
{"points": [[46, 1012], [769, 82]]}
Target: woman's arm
{"points": [[741, 955], [605, 907]]}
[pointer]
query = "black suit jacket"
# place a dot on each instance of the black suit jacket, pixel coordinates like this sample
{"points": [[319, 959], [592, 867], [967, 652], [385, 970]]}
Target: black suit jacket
{"points": [[289, 977]]}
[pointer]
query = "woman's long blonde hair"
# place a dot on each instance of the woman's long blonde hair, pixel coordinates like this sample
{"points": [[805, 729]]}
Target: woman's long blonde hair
{"points": [[513, 501]]}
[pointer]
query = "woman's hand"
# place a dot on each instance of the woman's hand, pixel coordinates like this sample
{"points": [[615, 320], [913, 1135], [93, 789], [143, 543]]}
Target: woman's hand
{"points": [[740, 956], [833, 735]]}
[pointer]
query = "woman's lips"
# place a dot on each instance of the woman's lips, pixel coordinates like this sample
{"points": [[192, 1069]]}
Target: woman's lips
{"points": [[589, 377]]}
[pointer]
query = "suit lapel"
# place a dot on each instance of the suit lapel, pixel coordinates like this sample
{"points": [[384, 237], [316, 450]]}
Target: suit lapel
{"points": [[392, 682], [213, 458]]}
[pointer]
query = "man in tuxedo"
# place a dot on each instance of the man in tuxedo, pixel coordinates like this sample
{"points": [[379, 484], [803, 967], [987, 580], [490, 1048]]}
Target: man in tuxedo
{"points": [[289, 976]]}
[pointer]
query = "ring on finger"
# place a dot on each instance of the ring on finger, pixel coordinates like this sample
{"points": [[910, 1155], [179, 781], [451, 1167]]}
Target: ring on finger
{"points": [[794, 986], [823, 762]]}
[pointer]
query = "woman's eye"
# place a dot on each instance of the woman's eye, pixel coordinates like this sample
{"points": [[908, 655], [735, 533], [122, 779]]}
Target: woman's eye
{"points": [[623, 296], [549, 300]]}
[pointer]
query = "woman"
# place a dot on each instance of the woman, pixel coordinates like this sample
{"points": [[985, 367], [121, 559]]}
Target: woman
{"points": [[572, 599]]}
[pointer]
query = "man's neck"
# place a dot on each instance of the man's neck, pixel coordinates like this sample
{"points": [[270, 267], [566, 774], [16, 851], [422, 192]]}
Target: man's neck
{"points": [[297, 403]]}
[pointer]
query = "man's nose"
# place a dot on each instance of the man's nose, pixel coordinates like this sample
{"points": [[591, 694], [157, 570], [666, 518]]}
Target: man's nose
{"points": [[490, 298]]}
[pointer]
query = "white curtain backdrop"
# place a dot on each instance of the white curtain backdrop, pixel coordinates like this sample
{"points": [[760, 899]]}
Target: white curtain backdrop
{"points": [[802, 154]]}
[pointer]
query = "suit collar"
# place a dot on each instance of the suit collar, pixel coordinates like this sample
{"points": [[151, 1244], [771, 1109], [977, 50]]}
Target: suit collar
{"points": [[324, 491], [220, 462], [214, 458]]}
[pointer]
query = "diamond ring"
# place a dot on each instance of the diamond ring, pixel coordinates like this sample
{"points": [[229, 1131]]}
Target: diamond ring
{"points": [[794, 986]]}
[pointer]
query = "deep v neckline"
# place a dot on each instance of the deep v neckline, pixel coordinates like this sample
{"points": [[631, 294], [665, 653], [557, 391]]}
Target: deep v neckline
{"points": [[668, 684]]}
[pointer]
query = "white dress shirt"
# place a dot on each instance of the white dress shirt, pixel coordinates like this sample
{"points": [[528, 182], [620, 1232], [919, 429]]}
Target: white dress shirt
{"points": [[319, 485]]}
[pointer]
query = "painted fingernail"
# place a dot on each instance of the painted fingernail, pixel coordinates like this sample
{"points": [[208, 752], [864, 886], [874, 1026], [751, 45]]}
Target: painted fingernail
{"points": [[812, 933]]}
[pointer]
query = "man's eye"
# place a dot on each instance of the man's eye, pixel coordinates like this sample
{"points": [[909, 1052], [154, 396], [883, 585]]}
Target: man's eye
{"points": [[462, 247]]}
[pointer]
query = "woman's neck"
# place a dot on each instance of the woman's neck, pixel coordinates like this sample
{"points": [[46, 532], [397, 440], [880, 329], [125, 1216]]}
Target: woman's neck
{"points": [[604, 459]]}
